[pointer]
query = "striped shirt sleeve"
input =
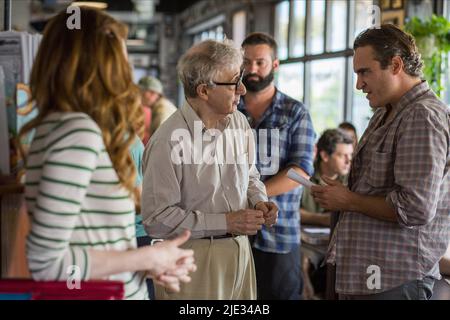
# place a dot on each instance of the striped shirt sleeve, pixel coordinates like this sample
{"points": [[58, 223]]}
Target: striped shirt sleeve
{"points": [[70, 157]]}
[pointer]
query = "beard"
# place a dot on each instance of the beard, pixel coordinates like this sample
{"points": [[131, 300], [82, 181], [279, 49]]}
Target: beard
{"points": [[257, 85]]}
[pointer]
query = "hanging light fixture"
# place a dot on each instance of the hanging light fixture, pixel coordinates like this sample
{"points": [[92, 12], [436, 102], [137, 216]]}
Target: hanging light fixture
{"points": [[91, 4]]}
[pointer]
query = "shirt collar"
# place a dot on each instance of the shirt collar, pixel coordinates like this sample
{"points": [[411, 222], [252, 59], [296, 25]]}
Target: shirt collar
{"points": [[277, 103], [190, 116], [410, 96]]}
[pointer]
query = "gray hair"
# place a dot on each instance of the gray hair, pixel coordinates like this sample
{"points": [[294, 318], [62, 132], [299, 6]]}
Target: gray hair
{"points": [[204, 61]]}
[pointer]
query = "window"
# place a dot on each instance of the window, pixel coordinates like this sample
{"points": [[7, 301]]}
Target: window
{"points": [[361, 111], [282, 28], [360, 16], [315, 41], [239, 27], [338, 29], [290, 80], [317, 26], [298, 29], [327, 93]]}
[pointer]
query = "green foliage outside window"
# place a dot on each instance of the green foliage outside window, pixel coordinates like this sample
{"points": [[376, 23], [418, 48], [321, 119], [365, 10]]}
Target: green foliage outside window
{"points": [[433, 41]]}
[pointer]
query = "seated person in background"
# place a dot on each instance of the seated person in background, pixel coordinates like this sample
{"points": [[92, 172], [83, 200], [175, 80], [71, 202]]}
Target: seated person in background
{"points": [[334, 153], [350, 130], [153, 98], [333, 159], [80, 181]]}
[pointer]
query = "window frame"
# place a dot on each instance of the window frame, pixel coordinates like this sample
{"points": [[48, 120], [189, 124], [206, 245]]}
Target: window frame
{"points": [[307, 58]]}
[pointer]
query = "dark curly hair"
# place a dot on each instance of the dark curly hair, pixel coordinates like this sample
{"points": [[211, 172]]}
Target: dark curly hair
{"points": [[389, 41]]}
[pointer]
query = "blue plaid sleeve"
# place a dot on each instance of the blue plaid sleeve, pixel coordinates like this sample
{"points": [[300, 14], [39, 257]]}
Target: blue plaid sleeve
{"points": [[303, 138]]}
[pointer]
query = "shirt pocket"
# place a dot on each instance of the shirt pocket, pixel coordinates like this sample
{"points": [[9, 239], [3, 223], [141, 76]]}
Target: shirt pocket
{"points": [[381, 171], [282, 127]]}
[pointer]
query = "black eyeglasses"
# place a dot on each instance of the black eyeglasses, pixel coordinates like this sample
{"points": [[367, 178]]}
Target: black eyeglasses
{"points": [[235, 84]]}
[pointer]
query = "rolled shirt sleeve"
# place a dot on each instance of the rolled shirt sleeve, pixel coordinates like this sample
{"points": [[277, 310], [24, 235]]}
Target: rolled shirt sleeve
{"points": [[419, 167], [303, 139]]}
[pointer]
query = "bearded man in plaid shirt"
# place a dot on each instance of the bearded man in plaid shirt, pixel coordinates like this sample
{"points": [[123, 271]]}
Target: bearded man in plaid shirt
{"points": [[394, 222], [285, 139]]}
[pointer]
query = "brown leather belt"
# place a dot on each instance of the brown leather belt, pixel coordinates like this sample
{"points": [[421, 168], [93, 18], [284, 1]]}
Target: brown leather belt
{"points": [[224, 236]]}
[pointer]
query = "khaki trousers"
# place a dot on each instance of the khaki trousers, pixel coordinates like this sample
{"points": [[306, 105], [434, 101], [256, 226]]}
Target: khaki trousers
{"points": [[225, 271]]}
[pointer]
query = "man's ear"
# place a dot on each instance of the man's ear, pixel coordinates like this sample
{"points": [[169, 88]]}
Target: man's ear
{"points": [[324, 156], [275, 64], [396, 64], [202, 91]]}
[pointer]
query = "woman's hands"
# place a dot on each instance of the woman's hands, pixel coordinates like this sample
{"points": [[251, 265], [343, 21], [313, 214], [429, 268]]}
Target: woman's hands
{"points": [[167, 264]]}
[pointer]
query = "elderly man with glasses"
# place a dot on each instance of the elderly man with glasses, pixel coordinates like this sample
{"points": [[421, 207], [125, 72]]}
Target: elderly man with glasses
{"points": [[200, 175]]}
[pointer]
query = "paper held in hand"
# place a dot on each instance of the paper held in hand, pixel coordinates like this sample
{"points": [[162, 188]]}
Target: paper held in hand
{"points": [[298, 178]]}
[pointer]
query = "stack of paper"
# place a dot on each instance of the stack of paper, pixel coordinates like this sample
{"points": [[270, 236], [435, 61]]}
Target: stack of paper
{"points": [[315, 235], [292, 174], [316, 230]]}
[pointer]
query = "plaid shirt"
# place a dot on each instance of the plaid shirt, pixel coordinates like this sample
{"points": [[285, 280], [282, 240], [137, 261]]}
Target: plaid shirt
{"points": [[406, 160], [296, 144]]}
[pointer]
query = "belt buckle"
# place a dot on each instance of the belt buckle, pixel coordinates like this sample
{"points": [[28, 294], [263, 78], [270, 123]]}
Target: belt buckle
{"points": [[154, 241]]}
